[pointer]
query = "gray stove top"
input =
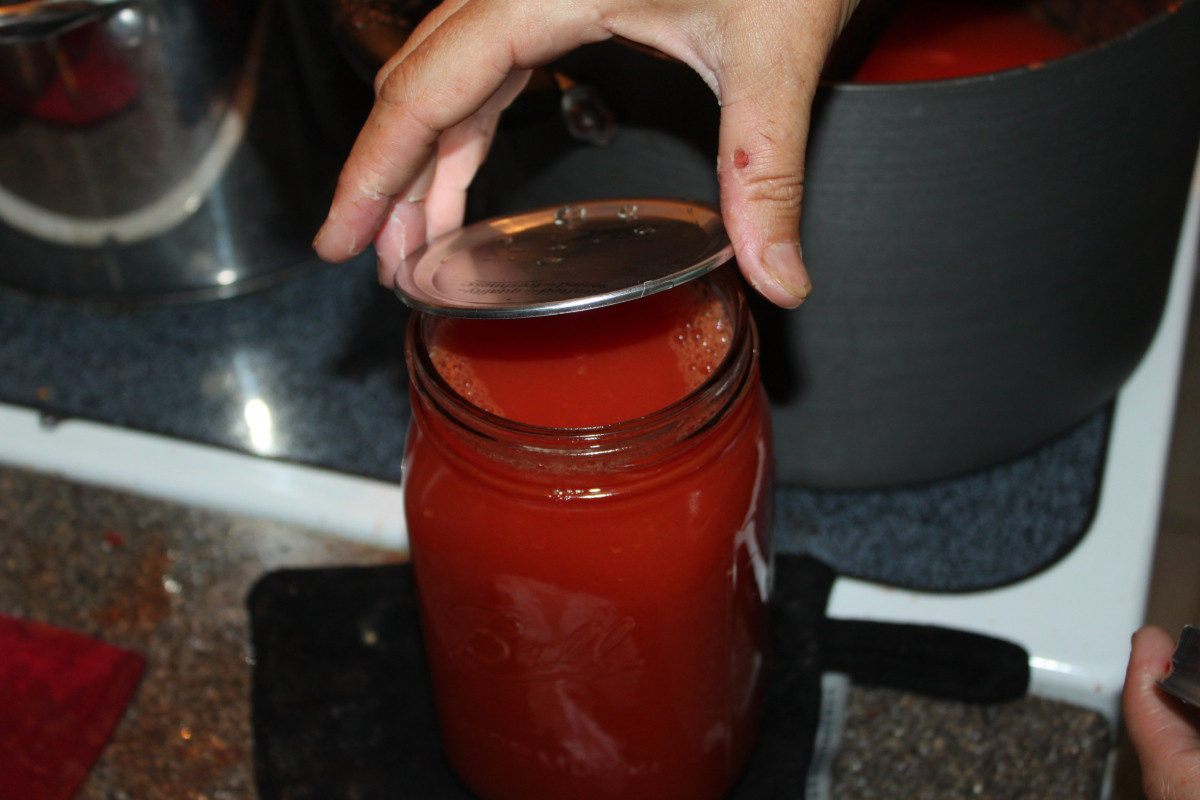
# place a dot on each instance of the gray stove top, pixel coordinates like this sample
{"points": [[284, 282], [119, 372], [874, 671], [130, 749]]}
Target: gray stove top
{"points": [[322, 354]]}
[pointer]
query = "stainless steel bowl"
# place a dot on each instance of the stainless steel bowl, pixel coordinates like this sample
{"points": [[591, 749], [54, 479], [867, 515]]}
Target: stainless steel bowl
{"points": [[153, 150]]}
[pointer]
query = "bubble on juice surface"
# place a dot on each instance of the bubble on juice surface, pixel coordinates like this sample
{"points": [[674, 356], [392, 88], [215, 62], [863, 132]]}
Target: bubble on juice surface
{"points": [[570, 215], [702, 337]]}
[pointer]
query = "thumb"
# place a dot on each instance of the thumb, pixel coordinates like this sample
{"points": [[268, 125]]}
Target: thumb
{"points": [[766, 101], [1167, 744]]}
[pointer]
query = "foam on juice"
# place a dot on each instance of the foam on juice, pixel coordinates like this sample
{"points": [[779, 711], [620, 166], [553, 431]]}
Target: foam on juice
{"points": [[702, 339], [457, 371]]}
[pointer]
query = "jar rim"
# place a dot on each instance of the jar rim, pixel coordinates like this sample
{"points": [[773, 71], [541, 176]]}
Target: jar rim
{"points": [[685, 417]]}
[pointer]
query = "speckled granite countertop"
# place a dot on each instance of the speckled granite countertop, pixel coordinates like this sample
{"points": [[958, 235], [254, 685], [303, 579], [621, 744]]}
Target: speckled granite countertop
{"points": [[170, 582]]}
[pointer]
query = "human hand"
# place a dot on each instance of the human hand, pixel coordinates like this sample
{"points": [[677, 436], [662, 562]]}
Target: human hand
{"points": [[438, 101], [1164, 732]]}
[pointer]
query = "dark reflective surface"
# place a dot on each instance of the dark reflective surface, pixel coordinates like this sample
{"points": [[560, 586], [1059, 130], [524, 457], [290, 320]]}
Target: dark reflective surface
{"points": [[311, 370]]}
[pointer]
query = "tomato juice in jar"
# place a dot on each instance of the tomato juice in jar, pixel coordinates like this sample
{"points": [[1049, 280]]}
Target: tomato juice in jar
{"points": [[588, 498]]}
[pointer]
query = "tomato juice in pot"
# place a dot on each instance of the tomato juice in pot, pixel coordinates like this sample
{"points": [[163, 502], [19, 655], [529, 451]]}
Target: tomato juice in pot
{"points": [[588, 498], [941, 39]]}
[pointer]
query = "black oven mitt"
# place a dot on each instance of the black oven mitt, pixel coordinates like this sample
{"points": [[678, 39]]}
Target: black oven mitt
{"points": [[343, 707]]}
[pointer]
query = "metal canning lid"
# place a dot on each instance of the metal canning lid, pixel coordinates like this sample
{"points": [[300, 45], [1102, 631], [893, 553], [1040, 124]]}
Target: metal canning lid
{"points": [[559, 259]]}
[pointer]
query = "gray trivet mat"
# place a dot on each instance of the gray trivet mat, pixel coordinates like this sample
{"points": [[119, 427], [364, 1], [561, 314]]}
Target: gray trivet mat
{"points": [[979, 531], [324, 350], [898, 745]]}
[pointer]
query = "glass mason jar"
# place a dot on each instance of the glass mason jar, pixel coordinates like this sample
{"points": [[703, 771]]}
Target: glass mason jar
{"points": [[594, 600]]}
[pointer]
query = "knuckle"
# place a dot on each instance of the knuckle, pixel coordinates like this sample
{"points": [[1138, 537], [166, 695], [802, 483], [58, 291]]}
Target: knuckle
{"points": [[390, 86], [783, 190], [382, 76], [777, 187]]}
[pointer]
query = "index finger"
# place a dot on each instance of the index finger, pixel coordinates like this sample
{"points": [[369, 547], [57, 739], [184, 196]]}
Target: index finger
{"points": [[452, 74]]}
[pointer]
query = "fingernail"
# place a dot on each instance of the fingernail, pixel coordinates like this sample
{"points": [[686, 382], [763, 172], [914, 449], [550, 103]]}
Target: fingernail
{"points": [[786, 265], [320, 234]]}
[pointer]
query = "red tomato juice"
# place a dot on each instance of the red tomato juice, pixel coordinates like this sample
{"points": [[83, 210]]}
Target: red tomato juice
{"points": [[936, 39], [594, 613], [579, 370]]}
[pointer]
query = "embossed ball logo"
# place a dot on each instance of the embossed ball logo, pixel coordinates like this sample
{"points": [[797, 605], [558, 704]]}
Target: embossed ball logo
{"points": [[516, 649]]}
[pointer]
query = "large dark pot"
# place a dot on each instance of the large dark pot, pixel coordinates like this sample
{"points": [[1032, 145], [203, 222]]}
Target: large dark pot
{"points": [[990, 254]]}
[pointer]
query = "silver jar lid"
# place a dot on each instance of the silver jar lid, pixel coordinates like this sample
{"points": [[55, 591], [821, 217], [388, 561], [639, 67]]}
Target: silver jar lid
{"points": [[560, 259]]}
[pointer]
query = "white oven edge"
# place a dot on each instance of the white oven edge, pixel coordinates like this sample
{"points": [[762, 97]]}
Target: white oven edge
{"points": [[348, 506], [1076, 618]]}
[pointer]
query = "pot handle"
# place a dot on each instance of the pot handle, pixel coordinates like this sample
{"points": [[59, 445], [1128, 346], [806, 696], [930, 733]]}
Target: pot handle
{"points": [[35, 20], [369, 31]]}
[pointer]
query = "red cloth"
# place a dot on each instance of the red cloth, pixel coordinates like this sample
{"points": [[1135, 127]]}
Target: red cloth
{"points": [[61, 695]]}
